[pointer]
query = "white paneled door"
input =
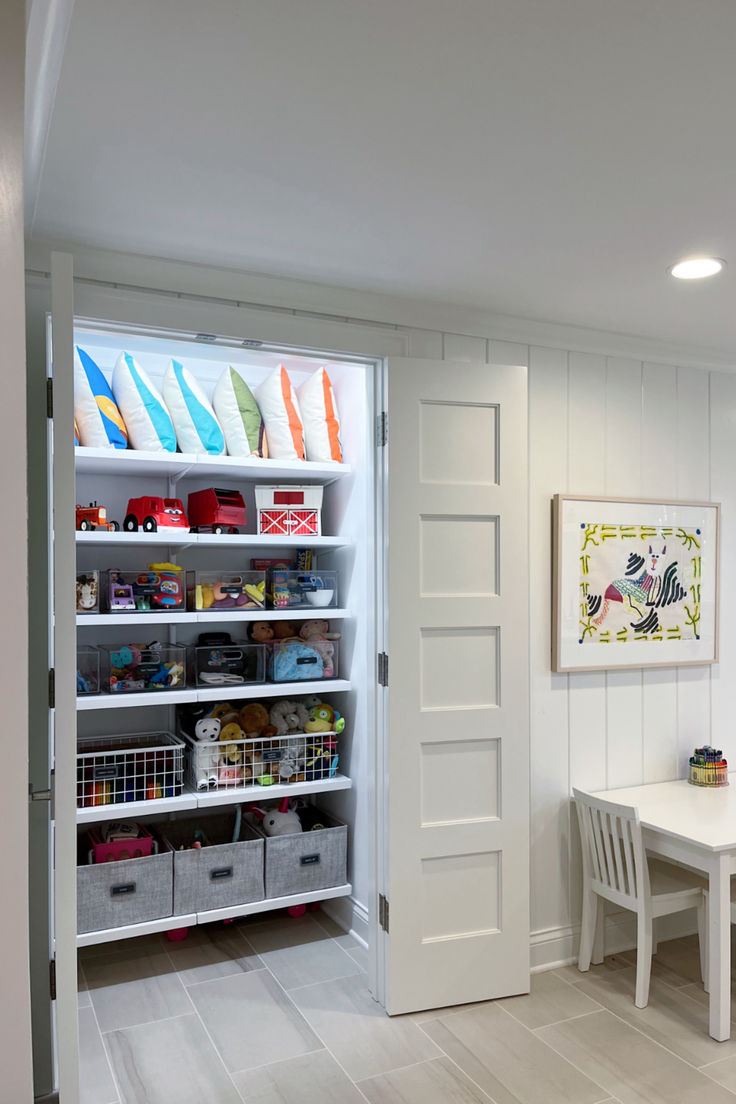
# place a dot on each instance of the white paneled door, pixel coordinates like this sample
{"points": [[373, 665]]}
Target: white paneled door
{"points": [[458, 701]]}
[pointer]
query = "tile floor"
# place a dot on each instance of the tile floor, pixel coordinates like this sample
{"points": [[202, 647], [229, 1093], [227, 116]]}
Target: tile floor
{"points": [[277, 1011]]}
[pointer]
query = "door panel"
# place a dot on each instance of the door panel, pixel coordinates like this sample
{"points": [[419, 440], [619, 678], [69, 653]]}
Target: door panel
{"points": [[458, 747]]}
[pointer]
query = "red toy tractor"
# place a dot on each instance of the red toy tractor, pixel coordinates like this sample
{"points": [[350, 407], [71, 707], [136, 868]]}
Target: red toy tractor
{"points": [[216, 511], [94, 517], [152, 514]]}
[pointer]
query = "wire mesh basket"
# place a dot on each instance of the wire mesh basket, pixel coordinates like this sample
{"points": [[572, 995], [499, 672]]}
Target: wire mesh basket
{"points": [[300, 757], [113, 770]]}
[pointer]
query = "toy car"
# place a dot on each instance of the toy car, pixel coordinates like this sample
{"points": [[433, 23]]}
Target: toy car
{"points": [[215, 510], [151, 514], [94, 517]]}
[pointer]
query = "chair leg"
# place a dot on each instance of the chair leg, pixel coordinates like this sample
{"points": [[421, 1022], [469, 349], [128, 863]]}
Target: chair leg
{"points": [[591, 907], [643, 958], [599, 940]]}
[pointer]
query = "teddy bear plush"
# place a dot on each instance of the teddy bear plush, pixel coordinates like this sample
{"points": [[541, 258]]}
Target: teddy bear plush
{"points": [[317, 634], [288, 717], [254, 720], [207, 733]]}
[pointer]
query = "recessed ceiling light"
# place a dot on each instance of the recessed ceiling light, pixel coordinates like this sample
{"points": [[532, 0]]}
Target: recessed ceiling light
{"points": [[696, 268]]}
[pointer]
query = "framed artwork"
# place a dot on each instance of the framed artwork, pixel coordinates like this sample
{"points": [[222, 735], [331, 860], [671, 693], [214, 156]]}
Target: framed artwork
{"points": [[634, 583]]}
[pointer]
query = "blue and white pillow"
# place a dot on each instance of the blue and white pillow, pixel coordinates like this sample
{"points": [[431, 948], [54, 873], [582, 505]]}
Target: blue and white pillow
{"points": [[197, 428], [149, 423], [99, 422]]}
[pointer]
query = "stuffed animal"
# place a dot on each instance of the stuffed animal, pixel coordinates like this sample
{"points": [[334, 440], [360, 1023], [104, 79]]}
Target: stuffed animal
{"points": [[254, 720], [323, 718], [291, 764], [260, 632], [207, 757], [288, 717], [281, 821], [320, 638], [283, 630]]}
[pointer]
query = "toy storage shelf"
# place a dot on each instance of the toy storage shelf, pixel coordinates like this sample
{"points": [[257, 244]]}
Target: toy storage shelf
{"points": [[108, 935], [93, 461], [234, 795], [96, 813], [232, 693], [163, 539], [208, 617]]}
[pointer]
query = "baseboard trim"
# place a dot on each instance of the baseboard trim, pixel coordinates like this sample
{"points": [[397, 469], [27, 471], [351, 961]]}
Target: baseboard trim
{"points": [[350, 915], [551, 948]]}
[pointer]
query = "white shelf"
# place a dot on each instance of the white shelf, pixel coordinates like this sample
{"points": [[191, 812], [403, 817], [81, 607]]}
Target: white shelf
{"points": [[161, 805], [174, 465], [168, 538], [206, 617], [108, 935], [218, 693], [243, 794]]}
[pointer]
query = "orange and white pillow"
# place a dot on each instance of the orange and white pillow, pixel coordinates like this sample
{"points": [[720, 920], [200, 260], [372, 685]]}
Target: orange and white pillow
{"points": [[279, 406], [320, 418]]}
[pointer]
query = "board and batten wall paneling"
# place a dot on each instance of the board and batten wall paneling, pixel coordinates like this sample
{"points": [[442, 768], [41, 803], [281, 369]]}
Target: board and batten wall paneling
{"points": [[723, 490]]}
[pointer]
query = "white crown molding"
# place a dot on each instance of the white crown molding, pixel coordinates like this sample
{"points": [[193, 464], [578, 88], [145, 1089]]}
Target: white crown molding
{"points": [[47, 25], [365, 307]]}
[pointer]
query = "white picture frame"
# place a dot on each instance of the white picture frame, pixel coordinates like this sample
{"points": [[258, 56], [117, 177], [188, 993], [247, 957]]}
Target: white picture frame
{"points": [[622, 596]]}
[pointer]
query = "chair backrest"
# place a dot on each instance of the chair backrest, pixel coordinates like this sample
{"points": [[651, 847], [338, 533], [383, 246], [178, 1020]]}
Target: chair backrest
{"points": [[614, 861]]}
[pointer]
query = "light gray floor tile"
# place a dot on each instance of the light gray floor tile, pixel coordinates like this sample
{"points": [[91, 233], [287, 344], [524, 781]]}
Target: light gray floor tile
{"points": [[96, 1084], [723, 1072], [677, 961], [551, 999], [509, 1062], [630, 1065], [365, 1041], [251, 1020], [130, 948], [356, 950], [300, 952], [212, 951], [671, 1017], [434, 1082], [574, 976], [312, 1079], [129, 991], [697, 993], [170, 1062], [83, 1000], [330, 926]]}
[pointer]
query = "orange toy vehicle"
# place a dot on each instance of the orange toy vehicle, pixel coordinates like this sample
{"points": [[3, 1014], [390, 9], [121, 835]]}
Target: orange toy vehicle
{"points": [[94, 517]]}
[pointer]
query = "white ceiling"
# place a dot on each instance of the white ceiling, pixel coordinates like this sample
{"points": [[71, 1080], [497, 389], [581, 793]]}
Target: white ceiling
{"points": [[541, 158]]}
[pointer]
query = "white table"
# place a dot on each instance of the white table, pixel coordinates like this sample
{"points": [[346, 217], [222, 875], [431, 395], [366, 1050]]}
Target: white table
{"points": [[697, 826]]}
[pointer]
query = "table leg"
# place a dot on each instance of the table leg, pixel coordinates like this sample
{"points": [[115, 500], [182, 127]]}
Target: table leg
{"points": [[719, 946]]}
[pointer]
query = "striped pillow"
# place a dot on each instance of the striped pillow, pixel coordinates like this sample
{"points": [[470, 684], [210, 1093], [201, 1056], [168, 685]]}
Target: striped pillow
{"points": [[197, 428], [149, 424], [320, 417], [279, 408]]}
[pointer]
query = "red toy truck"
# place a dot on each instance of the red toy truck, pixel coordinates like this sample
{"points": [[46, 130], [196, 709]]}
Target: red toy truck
{"points": [[216, 511], [155, 513], [94, 517]]}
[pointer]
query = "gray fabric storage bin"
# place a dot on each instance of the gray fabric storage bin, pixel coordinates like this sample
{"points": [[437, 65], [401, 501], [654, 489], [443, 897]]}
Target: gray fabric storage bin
{"points": [[307, 861], [217, 876], [113, 894]]}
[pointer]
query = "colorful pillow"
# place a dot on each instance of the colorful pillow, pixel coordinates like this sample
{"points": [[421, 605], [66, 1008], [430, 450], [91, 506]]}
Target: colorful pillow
{"points": [[197, 428], [279, 408], [148, 421], [320, 418], [98, 419], [239, 416]]}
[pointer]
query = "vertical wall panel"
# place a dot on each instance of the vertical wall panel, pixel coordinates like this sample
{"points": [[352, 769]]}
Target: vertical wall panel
{"points": [[463, 347], [693, 482], [507, 352], [623, 479], [550, 784], [425, 344], [659, 480], [723, 490]]}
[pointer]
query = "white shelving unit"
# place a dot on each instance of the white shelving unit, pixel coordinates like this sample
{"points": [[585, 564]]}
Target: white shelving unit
{"points": [[111, 477]]}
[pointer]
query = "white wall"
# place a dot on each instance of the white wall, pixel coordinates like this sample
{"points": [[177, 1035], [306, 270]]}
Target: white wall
{"points": [[608, 415], [15, 1033]]}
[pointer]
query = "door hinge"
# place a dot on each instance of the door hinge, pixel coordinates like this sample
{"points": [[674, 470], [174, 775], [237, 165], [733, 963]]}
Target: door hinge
{"points": [[383, 912], [381, 429], [52, 978], [44, 795], [52, 688], [382, 669], [49, 398]]}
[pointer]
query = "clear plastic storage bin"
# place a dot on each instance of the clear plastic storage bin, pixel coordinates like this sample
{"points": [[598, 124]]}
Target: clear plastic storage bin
{"points": [[88, 670], [239, 590], [137, 668], [114, 770], [160, 587], [301, 589], [227, 663], [294, 660]]}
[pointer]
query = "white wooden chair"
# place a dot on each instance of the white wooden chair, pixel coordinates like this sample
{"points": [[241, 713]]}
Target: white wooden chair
{"points": [[616, 869]]}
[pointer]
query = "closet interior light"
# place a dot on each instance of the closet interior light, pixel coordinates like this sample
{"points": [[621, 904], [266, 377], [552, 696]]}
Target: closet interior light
{"points": [[696, 268]]}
